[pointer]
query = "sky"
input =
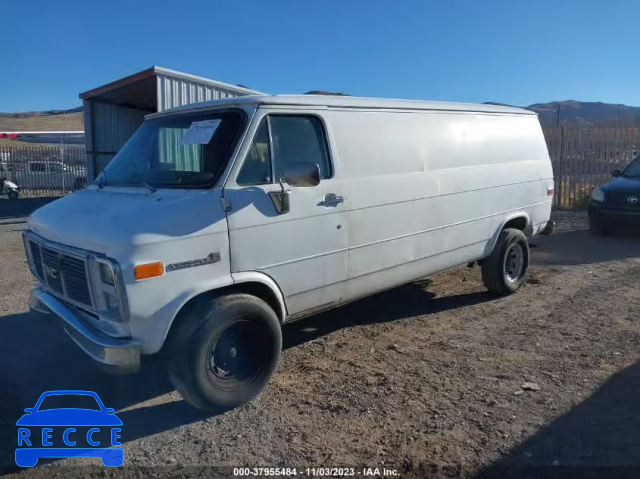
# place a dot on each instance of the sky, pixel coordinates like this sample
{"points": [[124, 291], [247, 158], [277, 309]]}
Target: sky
{"points": [[513, 51]]}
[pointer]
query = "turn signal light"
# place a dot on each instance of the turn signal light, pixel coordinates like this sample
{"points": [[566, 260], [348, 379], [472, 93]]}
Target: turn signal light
{"points": [[148, 270]]}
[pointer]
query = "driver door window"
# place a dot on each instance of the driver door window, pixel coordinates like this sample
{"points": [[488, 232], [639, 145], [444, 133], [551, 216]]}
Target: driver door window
{"points": [[256, 169], [294, 138]]}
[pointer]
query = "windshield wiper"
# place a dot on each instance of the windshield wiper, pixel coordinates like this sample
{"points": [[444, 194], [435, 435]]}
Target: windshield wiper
{"points": [[152, 189], [102, 180]]}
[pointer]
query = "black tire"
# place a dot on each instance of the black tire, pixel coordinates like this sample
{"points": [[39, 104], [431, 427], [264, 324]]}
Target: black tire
{"points": [[596, 227], [498, 275], [13, 195], [237, 334]]}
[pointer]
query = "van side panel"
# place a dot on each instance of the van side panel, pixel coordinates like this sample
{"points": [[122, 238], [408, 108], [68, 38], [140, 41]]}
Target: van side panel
{"points": [[431, 190]]}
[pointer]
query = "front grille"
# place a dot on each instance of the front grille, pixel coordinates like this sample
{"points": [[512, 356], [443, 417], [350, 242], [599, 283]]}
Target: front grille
{"points": [[618, 199], [74, 272], [63, 273], [37, 259], [51, 267]]}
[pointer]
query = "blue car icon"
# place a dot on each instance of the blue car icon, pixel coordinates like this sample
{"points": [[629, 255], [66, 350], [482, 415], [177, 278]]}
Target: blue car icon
{"points": [[55, 429]]}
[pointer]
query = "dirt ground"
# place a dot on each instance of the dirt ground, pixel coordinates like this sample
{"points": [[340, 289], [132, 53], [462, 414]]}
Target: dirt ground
{"points": [[425, 379]]}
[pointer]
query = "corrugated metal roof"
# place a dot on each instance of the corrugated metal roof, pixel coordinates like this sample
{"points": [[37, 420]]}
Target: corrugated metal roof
{"points": [[136, 90], [206, 81], [353, 102], [178, 90]]}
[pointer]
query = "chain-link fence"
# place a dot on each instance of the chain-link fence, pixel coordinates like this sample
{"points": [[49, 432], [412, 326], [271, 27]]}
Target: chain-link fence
{"points": [[44, 170], [583, 155]]}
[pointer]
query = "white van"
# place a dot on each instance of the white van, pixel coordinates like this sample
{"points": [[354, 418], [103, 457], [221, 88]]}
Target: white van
{"points": [[220, 221]]}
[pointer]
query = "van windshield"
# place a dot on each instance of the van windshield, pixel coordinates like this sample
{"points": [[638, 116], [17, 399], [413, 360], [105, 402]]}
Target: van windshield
{"points": [[183, 151]]}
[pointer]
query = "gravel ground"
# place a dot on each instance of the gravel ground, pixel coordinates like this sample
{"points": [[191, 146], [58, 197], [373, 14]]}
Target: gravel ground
{"points": [[426, 379]]}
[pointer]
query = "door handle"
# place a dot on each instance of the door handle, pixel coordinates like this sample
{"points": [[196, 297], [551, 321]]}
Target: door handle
{"points": [[331, 199]]}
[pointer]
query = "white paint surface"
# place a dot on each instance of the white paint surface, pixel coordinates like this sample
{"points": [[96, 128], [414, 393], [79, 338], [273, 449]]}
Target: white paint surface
{"points": [[426, 187]]}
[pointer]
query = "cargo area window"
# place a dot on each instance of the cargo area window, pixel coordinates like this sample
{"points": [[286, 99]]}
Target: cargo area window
{"points": [[280, 141]]}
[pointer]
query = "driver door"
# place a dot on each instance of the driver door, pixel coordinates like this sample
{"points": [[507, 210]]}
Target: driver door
{"points": [[305, 249]]}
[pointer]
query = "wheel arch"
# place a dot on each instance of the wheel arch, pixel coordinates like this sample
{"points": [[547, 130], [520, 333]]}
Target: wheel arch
{"points": [[264, 287], [256, 284], [519, 220]]}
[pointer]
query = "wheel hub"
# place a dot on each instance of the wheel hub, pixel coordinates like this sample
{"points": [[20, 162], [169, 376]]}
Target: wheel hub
{"points": [[235, 354], [514, 262], [224, 355]]}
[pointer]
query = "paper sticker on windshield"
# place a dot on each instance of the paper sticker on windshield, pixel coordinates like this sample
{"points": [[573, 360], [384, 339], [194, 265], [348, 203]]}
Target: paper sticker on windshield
{"points": [[200, 132]]}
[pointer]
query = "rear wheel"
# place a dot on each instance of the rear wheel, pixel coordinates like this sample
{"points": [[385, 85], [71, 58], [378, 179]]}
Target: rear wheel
{"points": [[505, 269], [224, 351], [13, 195]]}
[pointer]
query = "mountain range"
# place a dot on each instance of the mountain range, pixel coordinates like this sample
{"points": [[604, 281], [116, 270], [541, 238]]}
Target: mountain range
{"points": [[596, 112], [50, 120]]}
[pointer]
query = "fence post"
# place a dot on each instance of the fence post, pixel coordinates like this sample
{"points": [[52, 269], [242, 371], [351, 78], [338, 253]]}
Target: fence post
{"points": [[560, 168], [64, 189], [559, 159]]}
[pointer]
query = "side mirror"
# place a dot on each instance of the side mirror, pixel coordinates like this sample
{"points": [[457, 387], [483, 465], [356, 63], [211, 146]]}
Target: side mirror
{"points": [[615, 173], [109, 410], [28, 410], [280, 200], [303, 173]]}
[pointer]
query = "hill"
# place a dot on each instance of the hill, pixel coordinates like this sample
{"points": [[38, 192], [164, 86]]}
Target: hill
{"points": [[596, 112], [52, 120]]}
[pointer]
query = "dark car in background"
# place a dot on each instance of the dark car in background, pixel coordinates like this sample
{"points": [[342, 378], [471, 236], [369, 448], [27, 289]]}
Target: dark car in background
{"points": [[616, 204]]}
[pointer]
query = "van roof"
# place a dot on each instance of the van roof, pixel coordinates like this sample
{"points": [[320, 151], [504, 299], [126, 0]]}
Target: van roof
{"points": [[336, 101]]}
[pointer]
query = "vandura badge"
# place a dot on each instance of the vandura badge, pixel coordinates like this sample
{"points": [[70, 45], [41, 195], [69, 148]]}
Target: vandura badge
{"points": [[53, 428]]}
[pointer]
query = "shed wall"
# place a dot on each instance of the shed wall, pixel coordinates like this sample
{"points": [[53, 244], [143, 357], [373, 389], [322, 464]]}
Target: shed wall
{"points": [[107, 129]]}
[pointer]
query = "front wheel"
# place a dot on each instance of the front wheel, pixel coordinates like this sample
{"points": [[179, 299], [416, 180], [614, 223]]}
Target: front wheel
{"points": [[596, 227], [505, 269], [224, 350], [13, 195]]}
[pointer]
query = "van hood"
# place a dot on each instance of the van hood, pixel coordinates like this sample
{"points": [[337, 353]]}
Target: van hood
{"points": [[623, 184], [113, 219]]}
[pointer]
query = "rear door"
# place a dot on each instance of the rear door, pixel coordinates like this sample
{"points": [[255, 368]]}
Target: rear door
{"points": [[305, 249]]}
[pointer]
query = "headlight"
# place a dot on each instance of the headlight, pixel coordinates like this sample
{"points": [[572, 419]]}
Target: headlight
{"points": [[111, 303], [598, 194], [106, 274], [107, 289]]}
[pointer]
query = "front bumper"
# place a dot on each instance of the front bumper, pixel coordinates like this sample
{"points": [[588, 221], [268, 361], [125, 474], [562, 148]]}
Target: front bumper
{"points": [[614, 217], [118, 355]]}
